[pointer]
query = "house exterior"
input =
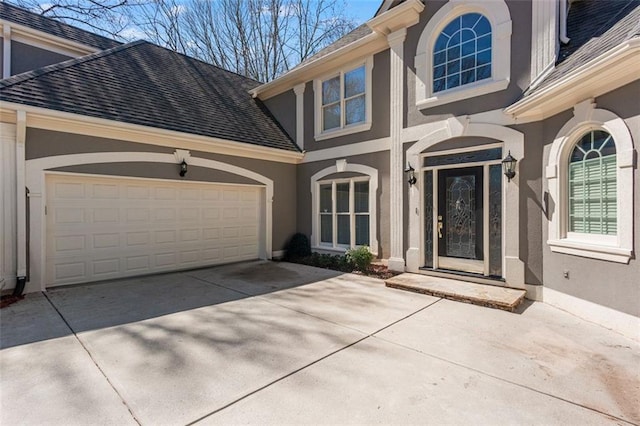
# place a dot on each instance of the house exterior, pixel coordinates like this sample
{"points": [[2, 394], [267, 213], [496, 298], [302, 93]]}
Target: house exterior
{"points": [[393, 137]]}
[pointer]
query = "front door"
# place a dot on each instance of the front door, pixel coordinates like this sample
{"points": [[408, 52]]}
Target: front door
{"points": [[460, 219]]}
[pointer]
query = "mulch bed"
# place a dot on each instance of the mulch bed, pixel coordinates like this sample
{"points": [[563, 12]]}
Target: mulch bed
{"points": [[337, 263], [8, 300]]}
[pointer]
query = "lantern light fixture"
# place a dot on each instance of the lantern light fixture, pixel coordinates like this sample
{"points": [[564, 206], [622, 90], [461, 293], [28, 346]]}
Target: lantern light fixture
{"points": [[411, 175], [183, 168], [509, 166]]}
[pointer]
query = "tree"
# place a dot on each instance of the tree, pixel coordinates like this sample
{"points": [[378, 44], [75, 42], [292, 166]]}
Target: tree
{"points": [[257, 38], [101, 16], [260, 39]]}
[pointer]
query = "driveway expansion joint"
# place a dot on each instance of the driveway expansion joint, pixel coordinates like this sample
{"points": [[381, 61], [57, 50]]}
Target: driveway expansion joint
{"points": [[304, 367], [92, 358], [484, 373]]}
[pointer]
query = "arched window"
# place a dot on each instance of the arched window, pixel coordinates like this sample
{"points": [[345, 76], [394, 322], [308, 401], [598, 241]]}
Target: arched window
{"points": [[462, 52], [592, 185]]}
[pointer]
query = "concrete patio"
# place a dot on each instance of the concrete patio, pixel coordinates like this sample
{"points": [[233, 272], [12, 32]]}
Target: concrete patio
{"points": [[275, 343]]}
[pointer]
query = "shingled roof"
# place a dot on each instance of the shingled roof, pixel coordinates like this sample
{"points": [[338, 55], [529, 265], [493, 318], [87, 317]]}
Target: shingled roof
{"points": [[32, 20], [594, 27], [141, 83]]}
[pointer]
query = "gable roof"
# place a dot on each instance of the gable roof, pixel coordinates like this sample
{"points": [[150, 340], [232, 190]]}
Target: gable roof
{"points": [[354, 35], [594, 27], [56, 28], [141, 83]]}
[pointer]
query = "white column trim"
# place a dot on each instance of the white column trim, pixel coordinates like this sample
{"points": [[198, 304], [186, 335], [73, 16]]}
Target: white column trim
{"points": [[373, 204], [513, 141], [299, 91], [35, 179], [396, 171], [6, 50]]}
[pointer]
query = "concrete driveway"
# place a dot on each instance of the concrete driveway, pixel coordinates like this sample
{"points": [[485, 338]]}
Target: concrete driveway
{"points": [[280, 343]]}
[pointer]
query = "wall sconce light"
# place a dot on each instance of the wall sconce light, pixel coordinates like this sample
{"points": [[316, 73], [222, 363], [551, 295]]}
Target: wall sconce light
{"points": [[182, 156], [509, 166], [411, 175]]}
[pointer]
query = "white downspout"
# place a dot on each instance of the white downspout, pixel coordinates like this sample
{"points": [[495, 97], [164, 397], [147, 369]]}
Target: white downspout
{"points": [[6, 50], [563, 22], [21, 205]]}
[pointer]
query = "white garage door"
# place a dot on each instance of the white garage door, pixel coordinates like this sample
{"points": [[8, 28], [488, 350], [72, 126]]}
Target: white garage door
{"points": [[101, 228]]}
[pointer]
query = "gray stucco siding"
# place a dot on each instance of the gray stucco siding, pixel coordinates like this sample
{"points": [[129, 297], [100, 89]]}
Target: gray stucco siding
{"points": [[520, 69], [44, 143], [377, 160], [283, 108], [614, 285], [25, 57], [380, 110]]}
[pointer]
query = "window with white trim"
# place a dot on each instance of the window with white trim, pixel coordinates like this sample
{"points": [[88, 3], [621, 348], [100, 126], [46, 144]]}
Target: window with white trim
{"points": [[344, 215], [462, 52], [343, 101], [592, 188]]}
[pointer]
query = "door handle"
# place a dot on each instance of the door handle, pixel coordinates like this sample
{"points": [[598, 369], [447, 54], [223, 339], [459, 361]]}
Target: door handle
{"points": [[440, 227]]}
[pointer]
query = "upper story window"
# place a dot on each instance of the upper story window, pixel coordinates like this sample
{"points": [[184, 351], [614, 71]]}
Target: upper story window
{"points": [[343, 99], [343, 102], [462, 52], [592, 185]]}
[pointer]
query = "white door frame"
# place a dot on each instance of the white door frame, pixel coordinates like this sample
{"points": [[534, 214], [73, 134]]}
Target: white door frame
{"points": [[512, 141], [36, 171]]}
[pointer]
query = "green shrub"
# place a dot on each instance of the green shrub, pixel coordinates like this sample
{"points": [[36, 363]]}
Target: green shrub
{"points": [[298, 247], [360, 258]]}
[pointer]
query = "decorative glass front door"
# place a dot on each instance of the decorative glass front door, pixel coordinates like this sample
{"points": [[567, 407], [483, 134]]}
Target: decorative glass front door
{"points": [[463, 212], [460, 219]]}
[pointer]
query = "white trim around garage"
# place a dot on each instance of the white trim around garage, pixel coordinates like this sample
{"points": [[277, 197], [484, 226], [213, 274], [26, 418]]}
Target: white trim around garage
{"points": [[37, 169], [59, 121]]}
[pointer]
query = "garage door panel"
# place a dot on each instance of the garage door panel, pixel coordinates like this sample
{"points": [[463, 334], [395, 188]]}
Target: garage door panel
{"points": [[103, 228]]}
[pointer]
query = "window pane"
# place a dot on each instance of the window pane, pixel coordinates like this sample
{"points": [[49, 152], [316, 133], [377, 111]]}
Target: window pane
{"points": [[331, 117], [331, 90], [325, 199], [361, 197], [484, 42], [593, 186], [362, 230], [344, 232], [342, 198], [355, 110], [354, 82], [326, 228]]}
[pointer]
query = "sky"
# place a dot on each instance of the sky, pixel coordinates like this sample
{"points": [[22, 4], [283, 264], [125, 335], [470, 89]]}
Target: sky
{"points": [[362, 10]]}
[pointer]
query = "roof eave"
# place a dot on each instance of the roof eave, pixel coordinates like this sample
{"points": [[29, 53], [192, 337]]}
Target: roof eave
{"points": [[365, 46], [612, 69], [50, 119]]}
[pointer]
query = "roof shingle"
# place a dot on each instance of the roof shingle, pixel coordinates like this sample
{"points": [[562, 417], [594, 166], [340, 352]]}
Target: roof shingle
{"points": [[141, 83], [594, 27], [29, 19]]}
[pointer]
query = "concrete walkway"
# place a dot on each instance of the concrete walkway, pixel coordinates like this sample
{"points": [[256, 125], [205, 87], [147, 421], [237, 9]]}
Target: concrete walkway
{"points": [[276, 343]]}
